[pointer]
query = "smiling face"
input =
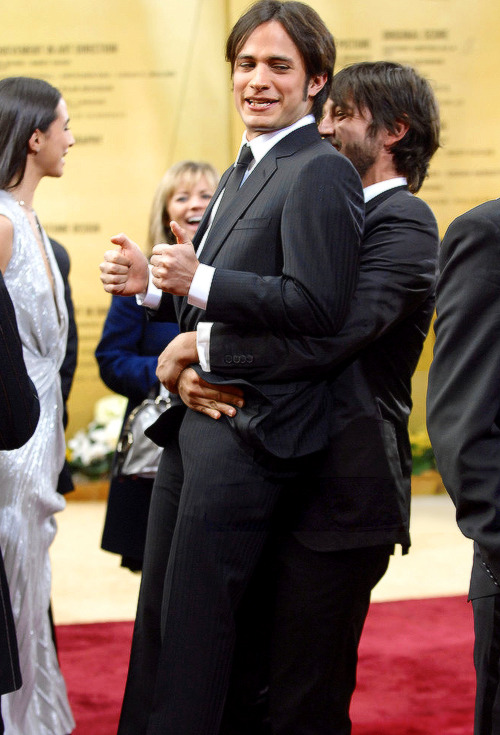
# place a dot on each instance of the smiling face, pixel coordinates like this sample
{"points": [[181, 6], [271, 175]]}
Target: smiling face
{"points": [[54, 143], [188, 203], [270, 85], [348, 129]]}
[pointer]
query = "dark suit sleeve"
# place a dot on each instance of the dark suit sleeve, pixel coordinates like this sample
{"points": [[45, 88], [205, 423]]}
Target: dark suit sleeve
{"points": [[128, 350], [122, 366], [321, 226], [166, 311], [19, 406], [463, 403], [397, 274], [68, 367]]}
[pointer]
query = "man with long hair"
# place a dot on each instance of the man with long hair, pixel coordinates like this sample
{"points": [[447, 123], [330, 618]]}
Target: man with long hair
{"points": [[339, 523]]}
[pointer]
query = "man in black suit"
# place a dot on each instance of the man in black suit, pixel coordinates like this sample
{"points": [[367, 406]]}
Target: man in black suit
{"points": [[286, 249], [19, 413], [463, 419], [67, 371], [351, 505], [65, 482]]}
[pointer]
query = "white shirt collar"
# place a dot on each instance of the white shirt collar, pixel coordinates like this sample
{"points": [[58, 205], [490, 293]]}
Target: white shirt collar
{"points": [[262, 144], [372, 191]]}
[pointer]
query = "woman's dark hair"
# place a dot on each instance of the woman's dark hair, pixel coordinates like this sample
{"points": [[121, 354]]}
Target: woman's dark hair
{"points": [[306, 29], [26, 105], [394, 93]]}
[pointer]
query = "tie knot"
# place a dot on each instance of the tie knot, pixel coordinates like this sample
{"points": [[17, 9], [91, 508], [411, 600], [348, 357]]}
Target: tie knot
{"points": [[245, 156]]}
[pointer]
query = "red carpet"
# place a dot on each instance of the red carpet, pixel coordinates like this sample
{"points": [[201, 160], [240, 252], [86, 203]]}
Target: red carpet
{"points": [[415, 673]]}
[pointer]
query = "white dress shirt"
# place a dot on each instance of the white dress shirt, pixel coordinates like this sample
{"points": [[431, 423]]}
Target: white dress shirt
{"points": [[372, 191], [200, 286]]}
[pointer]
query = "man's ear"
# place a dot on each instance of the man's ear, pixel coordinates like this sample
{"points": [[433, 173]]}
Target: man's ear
{"points": [[400, 128], [316, 84]]}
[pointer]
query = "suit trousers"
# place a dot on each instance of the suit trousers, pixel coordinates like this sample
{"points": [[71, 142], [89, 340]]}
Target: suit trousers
{"points": [[319, 605], [146, 641], [487, 664], [199, 559], [322, 599]]}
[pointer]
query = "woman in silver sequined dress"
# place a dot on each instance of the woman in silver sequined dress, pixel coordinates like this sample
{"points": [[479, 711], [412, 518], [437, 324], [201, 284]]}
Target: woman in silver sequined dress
{"points": [[34, 138]]}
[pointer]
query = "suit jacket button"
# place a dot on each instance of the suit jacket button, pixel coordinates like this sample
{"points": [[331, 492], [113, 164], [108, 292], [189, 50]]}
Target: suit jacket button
{"points": [[249, 359], [236, 359], [228, 359]]}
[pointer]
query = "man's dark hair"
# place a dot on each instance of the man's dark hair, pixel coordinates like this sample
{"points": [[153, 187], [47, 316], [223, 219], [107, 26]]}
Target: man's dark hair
{"points": [[394, 93], [26, 105], [306, 29]]}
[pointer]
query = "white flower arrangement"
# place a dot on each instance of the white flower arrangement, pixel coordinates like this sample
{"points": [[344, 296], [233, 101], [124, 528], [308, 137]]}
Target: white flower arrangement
{"points": [[90, 451]]}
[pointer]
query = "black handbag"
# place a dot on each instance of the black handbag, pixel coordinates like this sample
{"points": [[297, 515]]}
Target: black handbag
{"points": [[136, 454]]}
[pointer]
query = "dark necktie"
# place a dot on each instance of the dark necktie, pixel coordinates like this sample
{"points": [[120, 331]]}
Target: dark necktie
{"points": [[235, 178]]}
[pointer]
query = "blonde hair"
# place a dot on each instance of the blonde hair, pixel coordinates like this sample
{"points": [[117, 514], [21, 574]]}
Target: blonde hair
{"points": [[188, 172]]}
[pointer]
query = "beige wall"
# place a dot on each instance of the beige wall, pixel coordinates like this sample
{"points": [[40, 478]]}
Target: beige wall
{"points": [[146, 85]]}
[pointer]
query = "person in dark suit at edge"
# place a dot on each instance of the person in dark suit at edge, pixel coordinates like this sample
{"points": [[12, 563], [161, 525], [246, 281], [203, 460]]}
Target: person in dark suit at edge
{"points": [[19, 412], [335, 533], [463, 420], [285, 248], [68, 367], [65, 483]]}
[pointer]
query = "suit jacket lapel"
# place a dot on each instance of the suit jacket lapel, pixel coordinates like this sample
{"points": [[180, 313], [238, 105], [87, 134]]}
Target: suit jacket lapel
{"points": [[181, 301], [208, 211], [252, 187], [223, 226], [247, 193], [263, 171]]}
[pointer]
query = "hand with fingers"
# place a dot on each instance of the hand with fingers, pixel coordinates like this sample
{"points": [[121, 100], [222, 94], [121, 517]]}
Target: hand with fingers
{"points": [[124, 270], [174, 266], [212, 400], [178, 354]]}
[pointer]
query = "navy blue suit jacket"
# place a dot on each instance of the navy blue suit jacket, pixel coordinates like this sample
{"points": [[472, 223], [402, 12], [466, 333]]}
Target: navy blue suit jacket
{"points": [[128, 350]]}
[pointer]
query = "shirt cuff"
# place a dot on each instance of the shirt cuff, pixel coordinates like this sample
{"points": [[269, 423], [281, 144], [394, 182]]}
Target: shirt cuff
{"points": [[152, 297], [199, 290], [203, 344]]}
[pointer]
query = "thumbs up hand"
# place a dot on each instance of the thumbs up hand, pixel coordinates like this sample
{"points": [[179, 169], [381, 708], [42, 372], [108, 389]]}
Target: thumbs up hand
{"points": [[124, 270], [174, 266]]}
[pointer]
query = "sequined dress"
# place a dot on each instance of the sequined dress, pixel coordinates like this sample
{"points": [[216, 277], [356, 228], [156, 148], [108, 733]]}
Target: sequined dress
{"points": [[28, 481]]}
